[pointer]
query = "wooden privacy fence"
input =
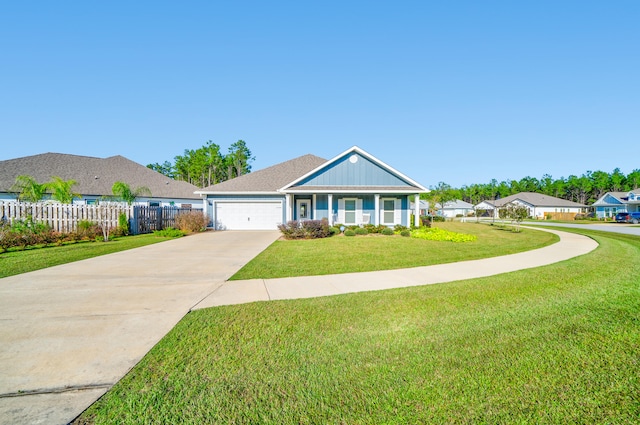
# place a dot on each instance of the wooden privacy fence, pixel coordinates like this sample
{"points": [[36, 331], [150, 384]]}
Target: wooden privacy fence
{"points": [[147, 219], [559, 216], [64, 217]]}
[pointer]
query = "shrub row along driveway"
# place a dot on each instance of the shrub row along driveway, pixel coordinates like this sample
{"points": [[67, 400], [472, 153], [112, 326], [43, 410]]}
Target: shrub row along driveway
{"points": [[68, 333]]}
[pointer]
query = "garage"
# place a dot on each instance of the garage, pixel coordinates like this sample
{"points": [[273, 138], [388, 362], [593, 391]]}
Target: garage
{"points": [[248, 215]]}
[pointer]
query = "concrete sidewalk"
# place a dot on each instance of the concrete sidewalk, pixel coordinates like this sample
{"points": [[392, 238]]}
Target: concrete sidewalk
{"points": [[68, 333], [244, 291]]}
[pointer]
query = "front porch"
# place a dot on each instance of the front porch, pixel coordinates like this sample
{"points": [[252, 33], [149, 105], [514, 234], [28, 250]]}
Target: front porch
{"points": [[354, 208]]}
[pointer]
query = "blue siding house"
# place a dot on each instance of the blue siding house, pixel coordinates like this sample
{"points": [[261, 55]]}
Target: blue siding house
{"points": [[612, 203], [354, 188]]}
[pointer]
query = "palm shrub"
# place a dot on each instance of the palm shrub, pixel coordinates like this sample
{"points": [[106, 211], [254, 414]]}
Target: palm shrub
{"points": [[62, 190], [29, 189], [125, 193]]}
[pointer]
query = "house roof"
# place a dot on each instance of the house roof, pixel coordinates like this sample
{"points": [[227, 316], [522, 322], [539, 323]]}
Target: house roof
{"points": [[458, 204], [538, 200], [402, 183], [268, 179], [285, 176], [94, 176]]}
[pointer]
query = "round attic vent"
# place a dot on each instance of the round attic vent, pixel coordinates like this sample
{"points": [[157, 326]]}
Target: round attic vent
{"points": [[353, 159]]}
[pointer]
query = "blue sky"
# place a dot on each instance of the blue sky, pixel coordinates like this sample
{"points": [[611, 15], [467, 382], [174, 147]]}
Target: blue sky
{"points": [[460, 92]]}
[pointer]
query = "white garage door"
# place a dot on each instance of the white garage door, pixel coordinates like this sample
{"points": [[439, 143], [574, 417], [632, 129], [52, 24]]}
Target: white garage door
{"points": [[248, 215]]}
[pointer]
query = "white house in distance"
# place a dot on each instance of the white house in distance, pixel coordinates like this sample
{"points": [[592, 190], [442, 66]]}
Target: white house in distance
{"points": [[537, 203], [454, 209], [612, 203]]}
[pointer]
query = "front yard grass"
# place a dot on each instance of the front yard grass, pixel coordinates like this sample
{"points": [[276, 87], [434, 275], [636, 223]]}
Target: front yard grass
{"points": [[30, 259], [375, 252], [552, 345]]}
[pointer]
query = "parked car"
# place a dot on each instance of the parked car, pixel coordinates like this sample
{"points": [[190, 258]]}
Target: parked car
{"points": [[622, 217], [626, 217]]}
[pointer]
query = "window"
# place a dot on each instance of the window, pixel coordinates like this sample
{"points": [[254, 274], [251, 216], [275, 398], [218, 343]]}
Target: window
{"points": [[388, 213], [349, 211], [388, 207]]}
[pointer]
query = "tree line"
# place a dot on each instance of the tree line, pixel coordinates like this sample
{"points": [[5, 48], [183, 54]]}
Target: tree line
{"points": [[207, 165], [584, 189]]}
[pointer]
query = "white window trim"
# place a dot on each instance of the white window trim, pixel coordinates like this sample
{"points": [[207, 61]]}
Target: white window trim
{"points": [[396, 213], [342, 210]]}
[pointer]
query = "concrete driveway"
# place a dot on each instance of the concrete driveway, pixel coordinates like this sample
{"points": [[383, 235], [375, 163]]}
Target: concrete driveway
{"points": [[70, 332]]}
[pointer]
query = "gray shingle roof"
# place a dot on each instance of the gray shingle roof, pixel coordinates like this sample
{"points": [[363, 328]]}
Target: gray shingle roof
{"points": [[538, 200], [94, 176], [457, 204], [268, 179]]}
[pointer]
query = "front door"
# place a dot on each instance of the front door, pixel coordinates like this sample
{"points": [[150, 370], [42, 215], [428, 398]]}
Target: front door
{"points": [[304, 209]]}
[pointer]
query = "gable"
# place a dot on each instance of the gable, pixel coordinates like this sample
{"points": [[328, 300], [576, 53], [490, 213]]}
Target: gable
{"points": [[609, 199], [354, 169]]}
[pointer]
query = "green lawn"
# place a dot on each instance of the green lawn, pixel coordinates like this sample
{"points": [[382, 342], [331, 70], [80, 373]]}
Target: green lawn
{"points": [[553, 345], [16, 262], [376, 252]]}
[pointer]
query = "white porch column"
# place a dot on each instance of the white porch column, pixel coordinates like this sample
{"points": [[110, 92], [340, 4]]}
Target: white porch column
{"points": [[330, 208], [288, 205], [315, 212], [205, 204], [376, 219], [416, 209]]}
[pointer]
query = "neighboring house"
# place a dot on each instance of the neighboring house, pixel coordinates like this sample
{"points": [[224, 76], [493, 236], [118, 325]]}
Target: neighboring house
{"points": [[537, 203], [423, 206], [454, 209], [95, 178], [612, 203], [353, 188]]}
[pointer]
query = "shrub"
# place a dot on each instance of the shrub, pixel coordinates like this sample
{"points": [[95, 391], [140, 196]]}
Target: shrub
{"points": [[372, 228], [334, 230], [437, 218], [169, 232], [388, 231], [349, 232], [308, 229], [86, 230], [425, 220], [406, 233], [398, 228], [192, 221], [123, 223], [24, 233], [361, 231]]}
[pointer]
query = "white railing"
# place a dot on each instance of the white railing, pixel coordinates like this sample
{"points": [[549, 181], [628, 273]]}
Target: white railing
{"points": [[64, 217]]}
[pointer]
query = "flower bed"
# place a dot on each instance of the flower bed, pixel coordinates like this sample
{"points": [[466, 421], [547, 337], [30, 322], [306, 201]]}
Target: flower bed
{"points": [[437, 234]]}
